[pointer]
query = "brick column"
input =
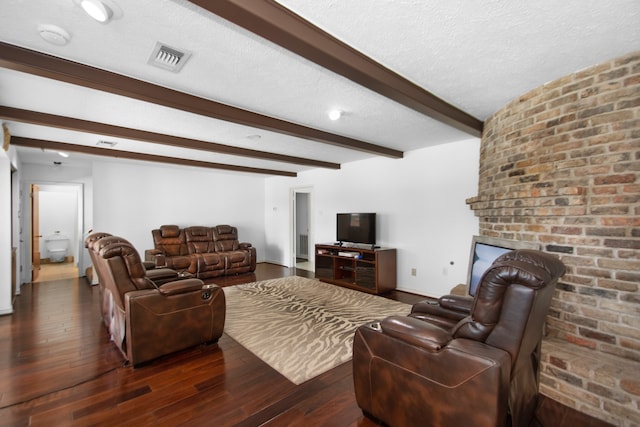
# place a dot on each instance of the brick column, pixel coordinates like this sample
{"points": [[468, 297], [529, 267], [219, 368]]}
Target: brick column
{"points": [[560, 166]]}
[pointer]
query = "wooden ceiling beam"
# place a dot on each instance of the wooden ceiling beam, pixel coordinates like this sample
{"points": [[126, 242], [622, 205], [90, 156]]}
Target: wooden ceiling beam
{"points": [[69, 123], [274, 22], [119, 154], [28, 61]]}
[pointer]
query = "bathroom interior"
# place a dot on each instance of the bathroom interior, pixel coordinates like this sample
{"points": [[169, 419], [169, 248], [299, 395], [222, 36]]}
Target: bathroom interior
{"points": [[58, 228]]}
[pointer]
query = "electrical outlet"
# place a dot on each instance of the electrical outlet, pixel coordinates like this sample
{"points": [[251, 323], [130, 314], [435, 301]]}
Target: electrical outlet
{"points": [[413, 271]]}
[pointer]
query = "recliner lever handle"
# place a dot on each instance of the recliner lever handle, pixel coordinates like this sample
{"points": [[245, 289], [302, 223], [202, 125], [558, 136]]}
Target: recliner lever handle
{"points": [[206, 291]]}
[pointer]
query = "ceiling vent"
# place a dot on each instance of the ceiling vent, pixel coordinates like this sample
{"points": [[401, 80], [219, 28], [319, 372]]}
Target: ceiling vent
{"points": [[168, 58], [109, 144]]}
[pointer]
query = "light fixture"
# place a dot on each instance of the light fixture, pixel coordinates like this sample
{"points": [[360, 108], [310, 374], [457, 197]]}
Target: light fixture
{"points": [[96, 9], [54, 34], [63, 154], [335, 114]]}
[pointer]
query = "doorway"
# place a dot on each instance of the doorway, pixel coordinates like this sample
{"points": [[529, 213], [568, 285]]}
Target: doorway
{"points": [[56, 216], [302, 241]]}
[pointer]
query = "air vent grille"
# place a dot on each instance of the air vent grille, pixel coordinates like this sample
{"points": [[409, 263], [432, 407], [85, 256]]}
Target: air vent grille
{"points": [[168, 58], [109, 144]]}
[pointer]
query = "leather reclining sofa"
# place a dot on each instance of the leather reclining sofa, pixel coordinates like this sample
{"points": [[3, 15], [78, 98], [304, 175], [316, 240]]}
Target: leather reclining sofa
{"points": [[204, 252]]}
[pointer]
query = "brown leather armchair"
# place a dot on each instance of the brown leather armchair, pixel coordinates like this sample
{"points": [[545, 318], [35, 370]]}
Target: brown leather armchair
{"points": [[170, 249], [200, 246], [150, 320], [239, 257], [483, 371]]}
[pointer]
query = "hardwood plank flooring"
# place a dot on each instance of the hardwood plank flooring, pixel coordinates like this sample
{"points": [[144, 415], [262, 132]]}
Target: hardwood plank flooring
{"points": [[58, 368]]}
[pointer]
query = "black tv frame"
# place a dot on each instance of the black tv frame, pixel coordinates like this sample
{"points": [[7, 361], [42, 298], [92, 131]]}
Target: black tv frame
{"points": [[371, 233], [492, 247]]}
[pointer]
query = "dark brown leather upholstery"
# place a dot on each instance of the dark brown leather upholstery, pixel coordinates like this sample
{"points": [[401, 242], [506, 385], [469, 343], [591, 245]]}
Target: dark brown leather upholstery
{"points": [[447, 311], [170, 249], [239, 257], [95, 243], [200, 245], [205, 252], [483, 371], [149, 320], [106, 301]]}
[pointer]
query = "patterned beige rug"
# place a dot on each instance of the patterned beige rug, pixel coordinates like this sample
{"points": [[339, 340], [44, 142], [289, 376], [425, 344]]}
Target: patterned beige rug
{"points": [[301, 327]]}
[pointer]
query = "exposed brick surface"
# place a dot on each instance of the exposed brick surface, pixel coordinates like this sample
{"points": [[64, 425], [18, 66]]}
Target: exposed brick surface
{"points": [[560, 166]]}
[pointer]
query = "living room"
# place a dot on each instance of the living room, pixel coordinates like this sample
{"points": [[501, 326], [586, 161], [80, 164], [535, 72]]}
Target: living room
{"points": [[429, 204]]}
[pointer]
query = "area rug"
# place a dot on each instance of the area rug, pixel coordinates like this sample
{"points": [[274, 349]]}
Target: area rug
{"points": [[301, 327]]}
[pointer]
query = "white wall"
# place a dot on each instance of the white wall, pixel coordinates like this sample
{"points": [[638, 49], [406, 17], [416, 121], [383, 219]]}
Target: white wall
{"points": [[420, 206], [131, 199], [5, 234], [420, 202]]}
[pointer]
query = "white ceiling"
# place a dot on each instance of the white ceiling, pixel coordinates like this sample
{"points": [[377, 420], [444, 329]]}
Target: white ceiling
{"points": [[476, 55]]}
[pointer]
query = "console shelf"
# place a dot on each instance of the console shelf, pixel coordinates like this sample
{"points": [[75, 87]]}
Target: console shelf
{"points": [[367, 270]]}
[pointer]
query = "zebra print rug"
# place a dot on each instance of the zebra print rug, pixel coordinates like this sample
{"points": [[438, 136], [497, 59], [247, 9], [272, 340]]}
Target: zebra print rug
{"points": [[301, 327]]}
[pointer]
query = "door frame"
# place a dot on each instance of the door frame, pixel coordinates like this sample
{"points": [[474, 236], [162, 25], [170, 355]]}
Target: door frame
{"points": [[79, 226], [34, 197], [293, 229]]}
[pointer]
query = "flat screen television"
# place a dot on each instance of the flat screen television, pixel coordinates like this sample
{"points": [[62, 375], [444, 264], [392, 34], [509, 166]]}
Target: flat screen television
{"points": [[356, 228], [484, 250]]}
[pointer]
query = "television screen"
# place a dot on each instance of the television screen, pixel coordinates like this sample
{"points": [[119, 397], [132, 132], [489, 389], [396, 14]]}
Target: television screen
{"points": [[356, 228], [485, 250]]}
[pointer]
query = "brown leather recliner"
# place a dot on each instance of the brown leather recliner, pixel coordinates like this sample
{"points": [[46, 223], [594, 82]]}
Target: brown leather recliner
{"points": [[483, 371], [149, 320], [170, 249], [200, 245], [94, 243], [239, 257]]}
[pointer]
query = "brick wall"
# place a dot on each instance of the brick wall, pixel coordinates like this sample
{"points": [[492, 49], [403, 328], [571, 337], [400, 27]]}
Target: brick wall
{"points": [[560, 166]]}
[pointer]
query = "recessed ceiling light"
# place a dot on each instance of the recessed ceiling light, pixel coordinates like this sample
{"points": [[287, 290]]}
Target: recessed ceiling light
{"points": [[54, 34], [335, 114], [96, 9], [63, 154]]}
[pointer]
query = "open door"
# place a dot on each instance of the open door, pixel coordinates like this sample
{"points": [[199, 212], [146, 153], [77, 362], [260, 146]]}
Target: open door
{"points": [[35, 232]]}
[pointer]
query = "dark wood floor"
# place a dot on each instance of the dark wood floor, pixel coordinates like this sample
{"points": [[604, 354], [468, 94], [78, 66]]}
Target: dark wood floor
{"points": [[58, 368]]}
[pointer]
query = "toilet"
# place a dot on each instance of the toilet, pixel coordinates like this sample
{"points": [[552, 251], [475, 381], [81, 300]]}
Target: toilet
{"points": [[57, 245]]}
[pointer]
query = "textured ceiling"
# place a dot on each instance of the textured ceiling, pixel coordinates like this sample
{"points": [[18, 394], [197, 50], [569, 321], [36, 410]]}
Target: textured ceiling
{"points": [[476, 56]]}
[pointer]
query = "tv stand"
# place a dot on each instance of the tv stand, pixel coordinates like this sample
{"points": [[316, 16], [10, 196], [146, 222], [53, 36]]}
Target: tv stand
{"points": [[365, 268]]}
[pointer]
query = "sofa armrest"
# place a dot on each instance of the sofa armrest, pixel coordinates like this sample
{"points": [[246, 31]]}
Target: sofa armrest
{"points": [[244, 245], [416, 332], [150, 254], [156, 256], [431, 311], [181, 286], [460, 303], [149, 265]]}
